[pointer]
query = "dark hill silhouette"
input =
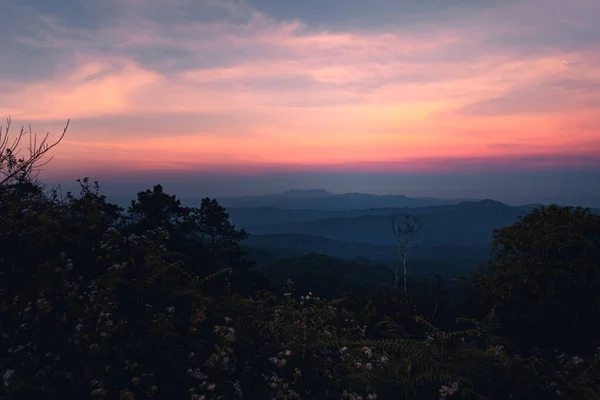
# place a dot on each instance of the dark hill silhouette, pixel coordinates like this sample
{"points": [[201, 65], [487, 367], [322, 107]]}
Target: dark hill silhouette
{"points": [[454, 238], [462, 224], [251, 216], [323, 275], [444, 259]]}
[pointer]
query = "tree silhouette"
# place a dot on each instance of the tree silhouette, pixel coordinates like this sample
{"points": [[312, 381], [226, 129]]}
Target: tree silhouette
{"points": [[219, 236], [544, 276], [405, 233], [154, 208]]}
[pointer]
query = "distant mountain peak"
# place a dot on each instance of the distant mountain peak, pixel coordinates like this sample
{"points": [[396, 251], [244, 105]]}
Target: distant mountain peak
{"points": [[360, 194], [483, 203], [306, 193]]}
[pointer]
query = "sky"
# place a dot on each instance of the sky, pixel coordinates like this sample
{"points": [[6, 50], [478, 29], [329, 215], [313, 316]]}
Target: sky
{"points": [[463, 98]]}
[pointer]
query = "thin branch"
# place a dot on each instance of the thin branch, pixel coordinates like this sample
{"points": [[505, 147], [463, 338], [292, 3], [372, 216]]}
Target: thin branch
{"points": [[13, 167], [405, 233]]}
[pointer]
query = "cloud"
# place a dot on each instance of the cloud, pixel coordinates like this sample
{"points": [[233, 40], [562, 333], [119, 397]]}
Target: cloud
{"points": [[150, 85], [571, 91], [349, 14]]}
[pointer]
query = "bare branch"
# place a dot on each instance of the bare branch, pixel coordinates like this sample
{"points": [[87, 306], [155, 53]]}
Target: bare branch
{"points": [[14, 167]]}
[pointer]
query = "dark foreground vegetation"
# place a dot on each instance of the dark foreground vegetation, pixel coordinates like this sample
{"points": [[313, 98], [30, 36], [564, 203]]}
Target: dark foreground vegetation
{"points": [[161, 302]]}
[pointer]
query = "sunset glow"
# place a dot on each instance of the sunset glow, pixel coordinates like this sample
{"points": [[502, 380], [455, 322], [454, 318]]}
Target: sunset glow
{"points": [[244, 89]]}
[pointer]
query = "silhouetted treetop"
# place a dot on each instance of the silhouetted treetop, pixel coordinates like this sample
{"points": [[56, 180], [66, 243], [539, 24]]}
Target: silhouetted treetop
{"points": [[545, 274], [155, 208]]}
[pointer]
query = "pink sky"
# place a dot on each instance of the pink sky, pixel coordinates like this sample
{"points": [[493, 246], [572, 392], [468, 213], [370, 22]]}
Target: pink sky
{"points": [[244, 91]]}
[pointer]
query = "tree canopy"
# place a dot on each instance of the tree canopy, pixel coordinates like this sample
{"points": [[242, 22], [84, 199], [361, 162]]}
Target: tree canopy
{"points": [[544, 276]]}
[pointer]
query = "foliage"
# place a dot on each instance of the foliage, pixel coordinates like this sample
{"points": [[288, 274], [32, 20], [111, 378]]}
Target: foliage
{"points": [[162, 303], [544, 277], [327, 276], [221, 238], [156, 208]]}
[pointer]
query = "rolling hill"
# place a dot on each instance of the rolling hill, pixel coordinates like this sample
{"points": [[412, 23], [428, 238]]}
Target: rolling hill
{"points": [[291, 245], [465, 224], [454, 238]]}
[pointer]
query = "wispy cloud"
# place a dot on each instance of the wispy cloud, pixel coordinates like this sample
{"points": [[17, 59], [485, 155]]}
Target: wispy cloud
{"points": [[187, 85]]}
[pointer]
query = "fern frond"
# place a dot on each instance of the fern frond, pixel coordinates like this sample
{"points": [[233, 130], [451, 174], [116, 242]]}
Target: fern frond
{"points": [[429, 325], [212, 276]]}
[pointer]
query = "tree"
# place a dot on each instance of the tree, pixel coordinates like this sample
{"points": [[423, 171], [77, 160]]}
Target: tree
{"points": [[405, 233], [92, 208], [220, 237], [19, 168], [84, 218], [155, 208], [544, 277], [23, 204]]}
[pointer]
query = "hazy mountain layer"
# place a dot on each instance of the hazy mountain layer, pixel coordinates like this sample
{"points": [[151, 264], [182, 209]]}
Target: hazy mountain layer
{"points": [[323, 200]]}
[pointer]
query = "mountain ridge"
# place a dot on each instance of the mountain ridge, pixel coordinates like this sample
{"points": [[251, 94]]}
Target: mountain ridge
{"points": [[321, 199], [465, 224], [324, 200]]}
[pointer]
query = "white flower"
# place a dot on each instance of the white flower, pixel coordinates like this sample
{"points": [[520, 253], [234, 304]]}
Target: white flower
{"points": [[446, 391], [6, 377]]}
